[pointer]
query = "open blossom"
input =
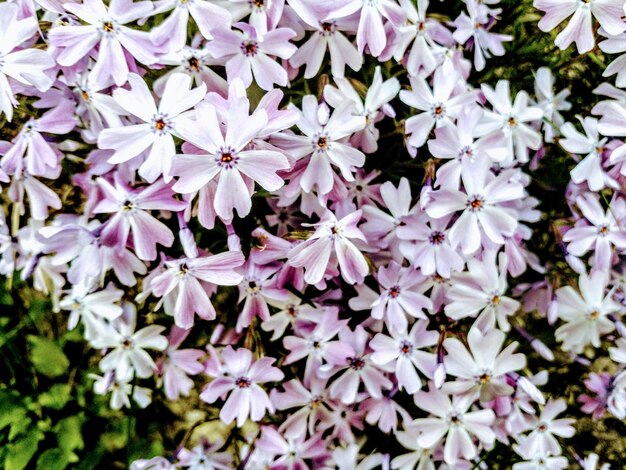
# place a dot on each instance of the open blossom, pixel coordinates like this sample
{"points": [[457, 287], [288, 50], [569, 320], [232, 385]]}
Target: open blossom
{"points": [[483, 215], [452, 422], [158, 125], [589, 169], [172, 32], [130, 215], [227, 158], [27, 66], [374, 107], [401, 296], [332, 237], [183, 281], [404, 350], [600, 232], [481, 290], [323, 140], [609, 14], [118, 45], [177, 364], [327, 35], [542, 440], [128, 356], [484, 370], [241, 377], [247, 53], [585, 313]]}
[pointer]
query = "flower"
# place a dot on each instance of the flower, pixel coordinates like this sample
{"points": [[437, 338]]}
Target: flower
{"points": [[158, 125], [331, 237], [452, 422], [586, 313], [241, 377], [227, 157]]}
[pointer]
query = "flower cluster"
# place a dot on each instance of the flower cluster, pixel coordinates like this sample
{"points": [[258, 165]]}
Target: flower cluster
{"points": [[236, 237]]}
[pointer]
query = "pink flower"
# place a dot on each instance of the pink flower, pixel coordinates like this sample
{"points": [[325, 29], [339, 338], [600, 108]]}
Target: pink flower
{"points": [[172, 32], [541, 440], [157, 127], [331, 237], [177, 364], [242, 377], [359, 368], [483, 214], [247, 52], [27, 66], [454, 423], [609, 14], [227, 158], [327, 35], [130, 207], [404, 352], [290, 452], [118, 45], [324, 140], [484, 371], [600, 232], [184, 282]]}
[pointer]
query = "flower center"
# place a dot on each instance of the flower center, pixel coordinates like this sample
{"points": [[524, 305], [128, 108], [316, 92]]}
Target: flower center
{"points": [[107, 27], [249, 48], [183, 268], [406, 347], [475, 203], [603, 230], [437, 238], [495, 300], [512, 122], [127, 206], [328, 28], [243, 382], [322, 143], [258, 3], [227, 158], [438, 110], [484, 378], [394, 291], [356, 363], [594, 315], [193, 64]]}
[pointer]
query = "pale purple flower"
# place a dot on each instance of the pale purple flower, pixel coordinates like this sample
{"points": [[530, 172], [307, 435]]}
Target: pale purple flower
{"points": [[483, 213], [130, 215], [373, 108], [439, 106], [172, 32], [26, 66], [241, 378], [358, 368], [184, 282], [177, 364], [550, 102], [327, 35], [31, 152], [323, 140], [154, 134], [475, 27], [404, 351], [509, 120], [118, 45], [205, 456], [247, 53], [609, 14], [452, 422], [599, 231], [91, 306], [227, 157], [128, 356], [481, 290], [290, 452], [425, 242], [423, 36], [484, 371], [332, 237], [585, 313], [542, 440], [401, 295], [319, 345], [371, 31]]}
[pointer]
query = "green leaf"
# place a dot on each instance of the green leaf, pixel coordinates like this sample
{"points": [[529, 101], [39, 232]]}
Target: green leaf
{"points": [[47, 356], [55, 398], [52, 458], [69, 435], [22, 451]]}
